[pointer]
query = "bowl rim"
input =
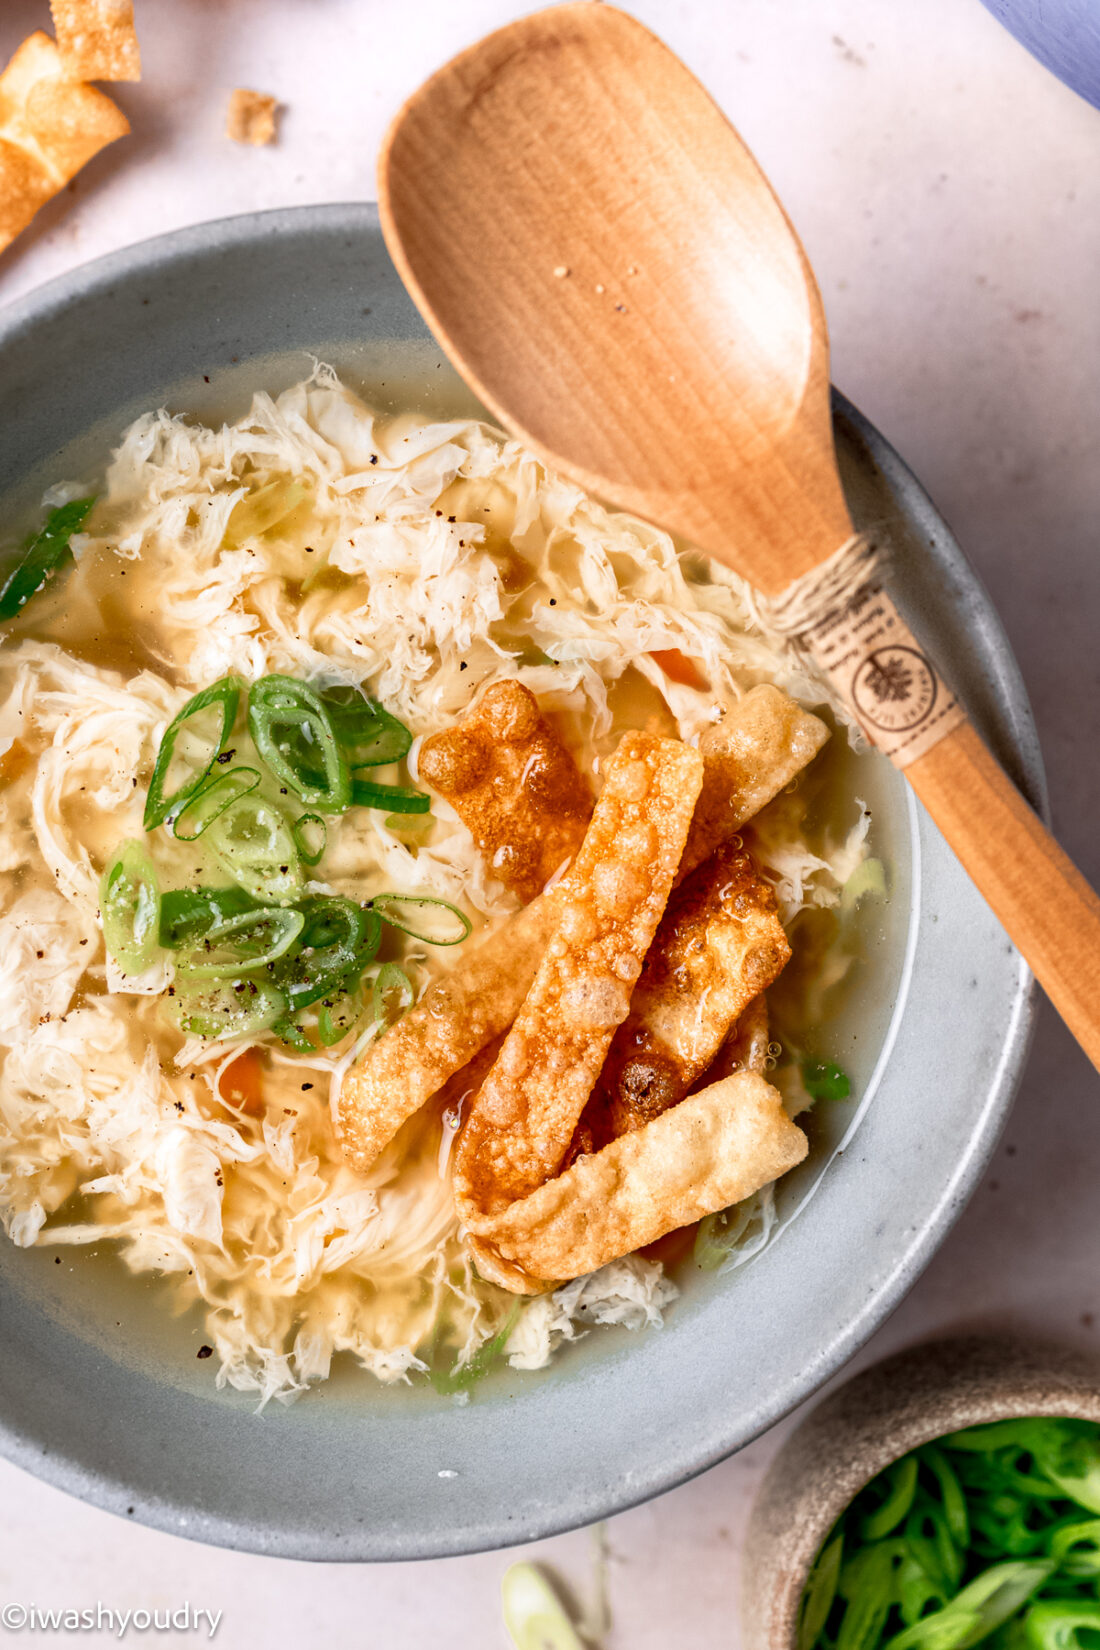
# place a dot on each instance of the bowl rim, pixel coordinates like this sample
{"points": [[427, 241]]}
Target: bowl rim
{"points": [[59, 1465]]}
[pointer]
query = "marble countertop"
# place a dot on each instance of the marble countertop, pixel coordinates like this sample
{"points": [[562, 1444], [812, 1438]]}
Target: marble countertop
{"points": [[947, 189]]}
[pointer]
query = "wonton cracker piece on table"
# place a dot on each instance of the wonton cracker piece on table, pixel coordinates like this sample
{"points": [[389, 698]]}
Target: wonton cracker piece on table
{"points": [[513, 784], [720, 944], [704, 1154], [96, 39], [251, 117], [50, 126], [608, 908], [760, 745], [764, 738]]}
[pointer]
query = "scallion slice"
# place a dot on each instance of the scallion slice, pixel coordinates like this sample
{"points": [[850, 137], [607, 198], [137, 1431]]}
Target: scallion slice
{"points": [[310, 836], [255, 845], [188, 913], [223, 697], [392, 994], [227, 1008], [205, 806], [129, 906], [396, 799], [435, 921], [337, 1017], [369, 736], [337, 940], [533, 1613], [242, 945], [42, 556], [293, 733]]}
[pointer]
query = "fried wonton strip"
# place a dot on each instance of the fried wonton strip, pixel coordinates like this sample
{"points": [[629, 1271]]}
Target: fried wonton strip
{"points": [[250, 117], [611, 901], [719, 945], [761, 743], [50, 127], [746, 1047], [96, 39], [712, 1150], [514, 785], [452, 1022]]}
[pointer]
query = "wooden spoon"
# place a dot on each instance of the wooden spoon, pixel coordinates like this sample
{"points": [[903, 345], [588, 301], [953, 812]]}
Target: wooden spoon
{"points": [[606, 265]]}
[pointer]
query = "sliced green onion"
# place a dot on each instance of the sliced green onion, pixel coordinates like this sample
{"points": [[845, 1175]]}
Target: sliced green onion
{"points": [[409, 827], [901, 1487], [42, 556], [242, 945], [129, 906], [825, 1080], [223, 697], [368, 735], [188, 913], [293, 1035], [399, 799], [212, 800], [336, 1018], [227, 1008], [718, 1234], [337, 941], [867, 881], [1057, 1624], [820, 1591], [294, 734], [257, 513], [435, 921], [533, 1613], [392, 994], [973, 1614], [464, 1376], [310, 836], [255, 845]]}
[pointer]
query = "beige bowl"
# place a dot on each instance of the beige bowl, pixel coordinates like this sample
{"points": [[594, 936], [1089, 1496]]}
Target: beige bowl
{"points": [[878, 1416]]}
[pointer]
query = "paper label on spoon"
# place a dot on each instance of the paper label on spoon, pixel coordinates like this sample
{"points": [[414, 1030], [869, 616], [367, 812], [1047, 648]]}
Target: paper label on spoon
{"points": [[878, 667]]}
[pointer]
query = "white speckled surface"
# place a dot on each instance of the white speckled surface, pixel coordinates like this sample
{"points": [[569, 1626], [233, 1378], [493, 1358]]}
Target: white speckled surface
{"points": [[948, 192]]}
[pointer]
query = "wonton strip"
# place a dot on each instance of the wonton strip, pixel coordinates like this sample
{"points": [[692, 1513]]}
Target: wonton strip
{"points": [[746, 1047], [713, 1149], [450, 1024], [96, 39], [610, 903], [757, 748], [250, 117], [514, 785], [719, 945], [761, 743], [50, 127]]}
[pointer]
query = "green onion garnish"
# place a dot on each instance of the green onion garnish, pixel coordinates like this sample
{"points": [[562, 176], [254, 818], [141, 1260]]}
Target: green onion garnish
{"points": [[435, 921], [310, 836], [188, 913], [392, 994], [293, 732], [129, 905], [825, 1080], [255, 845], [533, 1613], [242, 945], [463, 1376], [205, 806], [42, 556], [336, 1018], [223, 697], [337, 941], [975, 1539], [227, 1008], [368, 735], [396, 799]]}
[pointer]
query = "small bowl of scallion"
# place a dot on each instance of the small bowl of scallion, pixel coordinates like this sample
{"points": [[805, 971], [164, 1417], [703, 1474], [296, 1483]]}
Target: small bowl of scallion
{"points": [[946, 1498]]}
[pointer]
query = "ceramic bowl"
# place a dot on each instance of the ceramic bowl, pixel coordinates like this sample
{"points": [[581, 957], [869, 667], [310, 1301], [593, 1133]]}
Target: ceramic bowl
{"points": [[101, 1393], [881, 1414]]}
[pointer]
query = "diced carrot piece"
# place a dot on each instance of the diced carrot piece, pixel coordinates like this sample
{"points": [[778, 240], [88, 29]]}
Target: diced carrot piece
{"points": [[242, 1083], [15, 760], [679, 668]]}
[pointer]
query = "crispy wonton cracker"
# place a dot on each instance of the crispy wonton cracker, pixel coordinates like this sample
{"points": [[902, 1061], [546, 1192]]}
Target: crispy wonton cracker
{"points": [[719, 945], [250, 117], [610, 903], [96, 39], [746, 1047], [480, 997], [710, 1151], [514, 785], [50, 127], [759, 746]]}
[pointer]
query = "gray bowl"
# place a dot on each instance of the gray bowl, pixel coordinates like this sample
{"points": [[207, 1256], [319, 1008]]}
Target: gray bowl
{"points": [[101, 1394]]}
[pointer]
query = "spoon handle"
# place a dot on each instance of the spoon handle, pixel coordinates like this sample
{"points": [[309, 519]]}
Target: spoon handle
{"points": [[1048, 909]]}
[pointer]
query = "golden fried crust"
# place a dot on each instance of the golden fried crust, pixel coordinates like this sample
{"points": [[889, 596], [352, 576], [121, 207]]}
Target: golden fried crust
{"points": [[452, 1022], [719, 945], [513, 784], [761, 743], [50, 126], [746, 1047], [96, 39], [251, 117], [710, 1151], [519, 1127]]}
